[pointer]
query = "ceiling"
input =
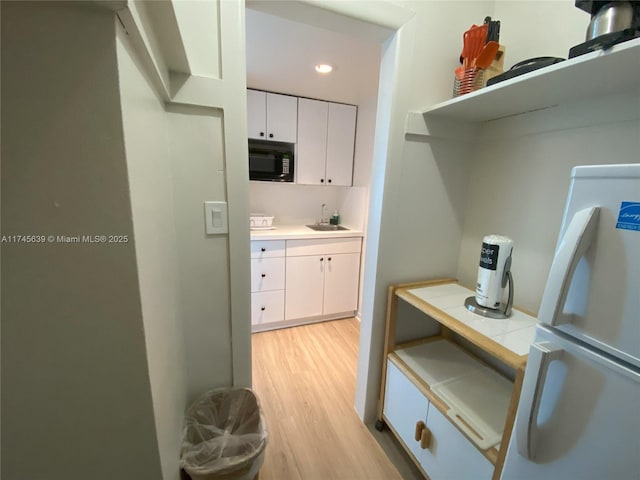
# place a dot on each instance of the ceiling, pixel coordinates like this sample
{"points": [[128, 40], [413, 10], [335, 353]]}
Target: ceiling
{"points": [[281, 55]]}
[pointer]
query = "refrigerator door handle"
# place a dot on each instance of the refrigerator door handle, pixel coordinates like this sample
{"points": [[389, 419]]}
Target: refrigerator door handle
{"points": [[540, 357], [576, 241]]}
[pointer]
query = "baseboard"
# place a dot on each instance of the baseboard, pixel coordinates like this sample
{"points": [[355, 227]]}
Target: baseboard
{"points": [[265, 327]]}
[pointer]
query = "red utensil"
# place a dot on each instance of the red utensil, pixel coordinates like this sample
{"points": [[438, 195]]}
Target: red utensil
{"points": [[486, 55], [473, 42]]}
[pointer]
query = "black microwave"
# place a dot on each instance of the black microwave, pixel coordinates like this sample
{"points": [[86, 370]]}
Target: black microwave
{"points": [[271, 161]]}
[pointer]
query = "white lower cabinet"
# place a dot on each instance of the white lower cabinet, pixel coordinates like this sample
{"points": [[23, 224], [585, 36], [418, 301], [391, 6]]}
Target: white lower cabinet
{"points": [[304, 280], [450, 455], [267, 281], [447, 454], [322, 284], [305, 286], [322, 277], [404, 407], [341, 273]]}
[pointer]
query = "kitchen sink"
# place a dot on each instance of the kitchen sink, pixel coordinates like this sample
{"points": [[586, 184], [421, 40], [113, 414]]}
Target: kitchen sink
{"points": [[326, 228]]}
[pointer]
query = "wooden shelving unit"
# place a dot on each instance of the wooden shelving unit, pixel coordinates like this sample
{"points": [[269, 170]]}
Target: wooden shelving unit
{"points": [[476, 400]]}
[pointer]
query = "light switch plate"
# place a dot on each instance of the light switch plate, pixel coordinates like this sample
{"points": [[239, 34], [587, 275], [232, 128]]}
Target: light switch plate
{"points": [[215, 218]]}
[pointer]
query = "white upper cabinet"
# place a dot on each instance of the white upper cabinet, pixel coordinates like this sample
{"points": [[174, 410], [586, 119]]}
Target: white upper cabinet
{"points": [[257, 114], [341, 134], [271, 116], [282, 118], [326, 139], [312, 141]]}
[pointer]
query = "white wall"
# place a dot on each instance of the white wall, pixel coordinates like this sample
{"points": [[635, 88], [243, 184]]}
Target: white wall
{"points": [[532, 29], [142, 12], [208, 144], [76, 392], [197, 20], [293, 204], [418, 186], [281, 54], [365, 132], [438, 43], [84, 328], [530, 156], [521, 180], [197, 159], [435, 194], [150, 184]]}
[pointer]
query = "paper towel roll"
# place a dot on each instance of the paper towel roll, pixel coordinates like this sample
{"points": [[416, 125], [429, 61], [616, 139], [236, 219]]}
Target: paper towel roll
{"points": [[495, 255]]}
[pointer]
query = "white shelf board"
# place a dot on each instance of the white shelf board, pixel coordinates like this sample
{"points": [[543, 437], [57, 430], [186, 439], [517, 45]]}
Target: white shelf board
{"points": [[594, 74], [473, 392], [514, 334], [438, 362]]}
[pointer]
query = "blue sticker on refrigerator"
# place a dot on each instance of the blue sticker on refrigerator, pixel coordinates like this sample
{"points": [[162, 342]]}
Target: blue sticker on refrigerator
{"points": [[629, 216]]}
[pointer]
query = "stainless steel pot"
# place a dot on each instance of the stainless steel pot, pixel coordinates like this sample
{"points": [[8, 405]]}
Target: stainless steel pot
{"points": [[612, 17]]}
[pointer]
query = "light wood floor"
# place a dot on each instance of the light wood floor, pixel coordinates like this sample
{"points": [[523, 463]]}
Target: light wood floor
{"points": [[305, 380]]}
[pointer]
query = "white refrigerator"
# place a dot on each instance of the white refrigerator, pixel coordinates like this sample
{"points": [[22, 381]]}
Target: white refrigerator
{"points": [[579, 410]]}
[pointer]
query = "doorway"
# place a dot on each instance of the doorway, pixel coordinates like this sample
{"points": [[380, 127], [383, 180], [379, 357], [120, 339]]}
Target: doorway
{"points": [[393, 28], [281, 56]]}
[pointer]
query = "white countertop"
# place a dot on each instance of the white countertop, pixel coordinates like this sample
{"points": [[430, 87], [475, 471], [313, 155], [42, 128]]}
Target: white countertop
{"points": [[514, 333], [289, 232]]}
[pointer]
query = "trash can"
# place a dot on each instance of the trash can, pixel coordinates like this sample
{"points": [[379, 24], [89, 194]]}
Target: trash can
{"points": [[224, 436]]}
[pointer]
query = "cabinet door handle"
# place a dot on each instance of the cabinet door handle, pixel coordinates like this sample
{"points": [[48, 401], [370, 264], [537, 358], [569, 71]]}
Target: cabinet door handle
{"points": [[322, 259], [263, 308], [263, 275], [425, 438], [329, 181], [262, 134], [271, 135], [322, 180], [329, 258], [419, 427], [263, 249]]}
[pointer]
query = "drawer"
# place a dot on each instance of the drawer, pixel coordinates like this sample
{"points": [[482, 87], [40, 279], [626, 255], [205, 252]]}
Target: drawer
{"points": [[323, 246], [267, 274], [267, 248], [267, 307]]}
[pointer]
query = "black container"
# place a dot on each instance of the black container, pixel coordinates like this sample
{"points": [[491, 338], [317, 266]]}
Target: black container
{"points": [[604, 42], [523, 67]]}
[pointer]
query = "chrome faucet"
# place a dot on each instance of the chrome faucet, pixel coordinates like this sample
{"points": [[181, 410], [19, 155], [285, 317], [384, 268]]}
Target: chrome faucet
{"points": [[324, 219]]}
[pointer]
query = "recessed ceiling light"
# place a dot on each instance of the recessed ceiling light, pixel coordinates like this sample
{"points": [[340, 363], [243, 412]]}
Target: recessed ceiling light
{"points": [[323, 68]]}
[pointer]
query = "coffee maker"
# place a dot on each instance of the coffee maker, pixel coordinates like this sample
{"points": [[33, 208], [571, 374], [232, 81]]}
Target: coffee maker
{"points": [[494, 273], [612, 22]]}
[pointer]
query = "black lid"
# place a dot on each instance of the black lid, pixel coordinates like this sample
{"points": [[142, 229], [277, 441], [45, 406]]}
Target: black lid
{"points": [[593, 6]]}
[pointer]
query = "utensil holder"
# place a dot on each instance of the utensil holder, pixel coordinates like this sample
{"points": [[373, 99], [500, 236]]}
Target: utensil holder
{"points": [[467, 81]]}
